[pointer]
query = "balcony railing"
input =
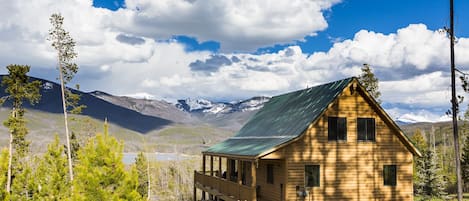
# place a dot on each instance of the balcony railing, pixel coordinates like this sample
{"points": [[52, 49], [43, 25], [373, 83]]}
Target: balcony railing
{"points": [[225, 187]]}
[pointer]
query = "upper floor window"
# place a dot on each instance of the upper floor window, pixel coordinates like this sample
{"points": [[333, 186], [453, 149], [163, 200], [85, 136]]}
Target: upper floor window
{"points": [[366, 129], [390, 175], [337, 128], [270, 173]]}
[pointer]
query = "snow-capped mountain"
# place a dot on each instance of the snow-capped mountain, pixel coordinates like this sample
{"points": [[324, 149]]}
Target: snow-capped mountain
{"points": [[411, 118], [209, 107]]}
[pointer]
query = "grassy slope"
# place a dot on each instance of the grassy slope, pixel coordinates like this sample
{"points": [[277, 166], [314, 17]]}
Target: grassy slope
{"points": [[173, 138]]}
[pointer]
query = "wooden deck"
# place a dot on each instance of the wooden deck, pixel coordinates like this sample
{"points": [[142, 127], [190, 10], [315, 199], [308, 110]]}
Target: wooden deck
{"points": [[224, 189]]}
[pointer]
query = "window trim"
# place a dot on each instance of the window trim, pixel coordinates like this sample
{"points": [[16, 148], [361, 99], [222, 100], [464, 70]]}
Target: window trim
{"points": [[337, 136], [393, 181], [318, 175], [367, 136]]}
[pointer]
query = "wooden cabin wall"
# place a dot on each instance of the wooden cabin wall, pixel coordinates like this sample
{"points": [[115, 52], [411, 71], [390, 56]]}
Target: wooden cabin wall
{"points": [[270, 192], [349, 170]]}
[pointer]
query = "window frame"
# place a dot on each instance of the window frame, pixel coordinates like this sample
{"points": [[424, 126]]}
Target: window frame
{"points": [[270, 174], [334, 132], [314, 167], [390, 175], [369, 125]]}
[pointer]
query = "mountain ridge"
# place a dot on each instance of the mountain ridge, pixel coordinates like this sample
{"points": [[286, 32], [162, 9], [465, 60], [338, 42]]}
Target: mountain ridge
{"points": [[184, 125]]}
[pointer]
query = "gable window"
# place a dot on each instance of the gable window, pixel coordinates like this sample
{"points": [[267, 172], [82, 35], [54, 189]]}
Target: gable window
{"points": [[270, 173], [312, 175], [366, 129], [390, 175], [337, 128]]}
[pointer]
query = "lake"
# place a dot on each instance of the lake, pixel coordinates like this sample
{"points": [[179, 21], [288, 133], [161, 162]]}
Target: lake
{"points": [[129, 158]]}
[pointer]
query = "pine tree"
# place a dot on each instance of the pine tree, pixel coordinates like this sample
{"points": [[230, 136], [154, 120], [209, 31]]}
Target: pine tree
{"points": [[51, 175], [428, 180], [18, 88], [465, 162], [64, 44], [431, 183], [100, 172], [370, 82], [22, 186], [141, 164], [419, 141], [3, 174]]}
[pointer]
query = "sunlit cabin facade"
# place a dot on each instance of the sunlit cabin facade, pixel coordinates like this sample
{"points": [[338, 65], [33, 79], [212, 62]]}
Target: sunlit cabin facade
{"points": [[329, 142]]}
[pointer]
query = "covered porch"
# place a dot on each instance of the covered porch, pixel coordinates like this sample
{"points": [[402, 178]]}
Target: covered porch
{"points": [[226, 178]]}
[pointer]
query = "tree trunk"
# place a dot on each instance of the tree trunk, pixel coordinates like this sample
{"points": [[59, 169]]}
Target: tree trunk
{"points": [[10, 156], [69, 153]]}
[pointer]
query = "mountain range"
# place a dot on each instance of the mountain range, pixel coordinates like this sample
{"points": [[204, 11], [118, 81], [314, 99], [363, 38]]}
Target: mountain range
{"points": [[164, 126], [188, 125]]}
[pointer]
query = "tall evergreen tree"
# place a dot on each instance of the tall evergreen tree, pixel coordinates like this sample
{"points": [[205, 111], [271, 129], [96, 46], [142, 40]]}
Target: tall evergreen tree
{"points": [[370, 82], [419, 141], [431, 183], [51, 175], [64, 44], [19, 88], [142, 166], [100, 172], [428, 181]]}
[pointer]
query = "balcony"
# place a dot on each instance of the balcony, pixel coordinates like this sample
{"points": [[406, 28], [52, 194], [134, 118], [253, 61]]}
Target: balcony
{"points": [[224, 189]]}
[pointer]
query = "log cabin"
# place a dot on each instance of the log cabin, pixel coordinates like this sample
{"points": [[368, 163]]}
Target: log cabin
{"points": [[328, 142]]}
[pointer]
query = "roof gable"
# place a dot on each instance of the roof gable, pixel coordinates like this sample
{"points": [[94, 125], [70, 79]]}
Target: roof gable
{"points": [[285, 118], [282, 119]]}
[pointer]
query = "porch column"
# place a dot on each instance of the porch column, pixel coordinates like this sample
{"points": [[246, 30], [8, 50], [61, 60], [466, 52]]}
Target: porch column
{"points": [[254, 178], [195, 193], [228, 169], [203, 172], [211, 174], [211, 165], [220, 173], [253, 174], [203, 164], [239, 171]]}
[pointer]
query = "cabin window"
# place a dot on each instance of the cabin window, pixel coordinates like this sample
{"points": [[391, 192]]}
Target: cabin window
{"points": [[270, 173], [312, 175], [366, 129], [337, 128], [390, 175]]}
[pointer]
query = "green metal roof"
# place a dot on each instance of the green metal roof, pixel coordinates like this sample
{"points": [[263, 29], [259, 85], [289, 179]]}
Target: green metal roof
{"points": [[282, 119]]}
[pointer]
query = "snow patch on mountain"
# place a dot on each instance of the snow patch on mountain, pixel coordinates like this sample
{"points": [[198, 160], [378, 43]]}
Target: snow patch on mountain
{"points": [[141, 95], [411, 118], [209, 107]]}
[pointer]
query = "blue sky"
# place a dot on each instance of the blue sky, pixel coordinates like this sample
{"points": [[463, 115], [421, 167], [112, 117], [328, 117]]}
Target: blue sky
{"points": [[235, 49], [349, 17]]}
